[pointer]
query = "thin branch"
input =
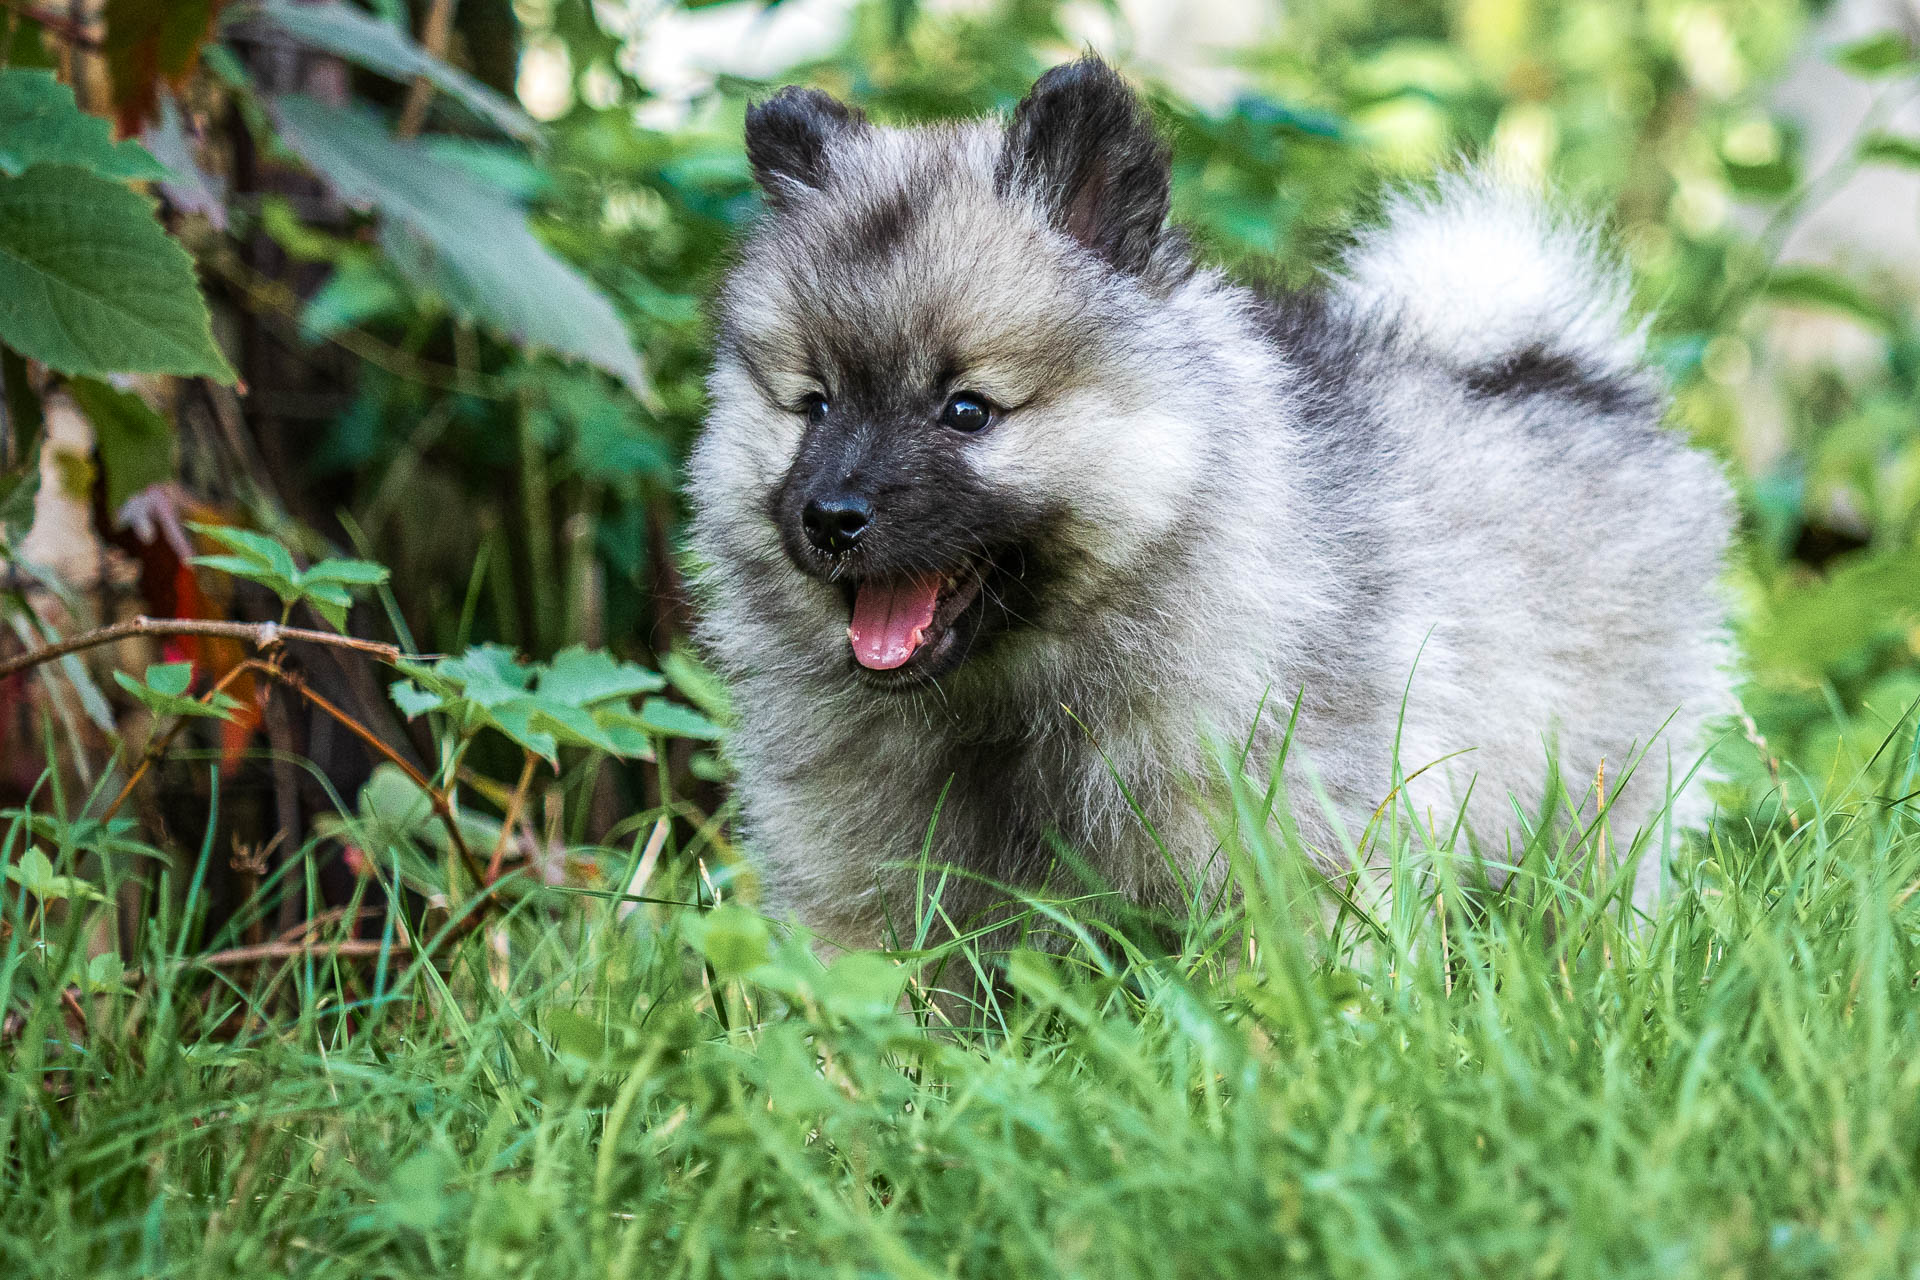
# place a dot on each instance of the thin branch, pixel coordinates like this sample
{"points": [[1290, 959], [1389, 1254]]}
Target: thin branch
{"points": [[157, 748], [514, 806], [433, 37], [67, 29], [441, 805], [262, 635], [285, 950]]}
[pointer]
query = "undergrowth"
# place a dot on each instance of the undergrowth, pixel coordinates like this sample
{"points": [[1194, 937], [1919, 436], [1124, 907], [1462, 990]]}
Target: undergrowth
{"points": [[1530, 1082]]}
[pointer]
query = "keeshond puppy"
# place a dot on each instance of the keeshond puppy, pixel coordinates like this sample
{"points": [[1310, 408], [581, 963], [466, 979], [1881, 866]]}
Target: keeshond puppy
{"points": [[1005, 503]]}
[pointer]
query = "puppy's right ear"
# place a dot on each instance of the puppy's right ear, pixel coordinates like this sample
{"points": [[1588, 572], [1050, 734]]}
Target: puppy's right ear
{"points": [[1084, 146], [788, 136]]}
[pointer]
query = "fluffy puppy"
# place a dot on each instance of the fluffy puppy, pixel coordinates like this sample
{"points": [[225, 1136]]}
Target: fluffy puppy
{"points": [[1003, 498]]}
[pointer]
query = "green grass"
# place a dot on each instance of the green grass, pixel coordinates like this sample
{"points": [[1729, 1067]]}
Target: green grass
{"points": [[1528, 1086]]}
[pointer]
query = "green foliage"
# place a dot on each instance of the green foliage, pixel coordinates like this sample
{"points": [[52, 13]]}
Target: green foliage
{"points": [[164, 692], [90, 284], [580, 699], [338, 28], [1524, 1085], [608, 1062], [40, 124], [1877, 55], [327, 586], [454, 234]]}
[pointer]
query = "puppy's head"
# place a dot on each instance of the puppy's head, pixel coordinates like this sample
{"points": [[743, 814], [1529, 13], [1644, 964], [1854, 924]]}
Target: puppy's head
{"points": [[947, 383]]}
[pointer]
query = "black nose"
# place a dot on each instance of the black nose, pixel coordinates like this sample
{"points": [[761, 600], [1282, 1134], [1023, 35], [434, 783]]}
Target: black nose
{"points": [[835, 523]]}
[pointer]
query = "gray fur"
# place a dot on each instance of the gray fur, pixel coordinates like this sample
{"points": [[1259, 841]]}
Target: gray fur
{"points": [[1451, 452]]}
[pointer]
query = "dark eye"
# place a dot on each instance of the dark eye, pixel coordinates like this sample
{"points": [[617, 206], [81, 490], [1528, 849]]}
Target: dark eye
{"points": [[815, 409], [967, 412]]}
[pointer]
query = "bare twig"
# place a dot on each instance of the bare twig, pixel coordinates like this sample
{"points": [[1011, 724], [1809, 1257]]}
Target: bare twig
{"points": [[433, 36], [67, 29], [514, 806], [261, 635], [441, 805], [349, 947]]}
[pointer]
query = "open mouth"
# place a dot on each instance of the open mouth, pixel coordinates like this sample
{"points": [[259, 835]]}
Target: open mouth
{"points": [[913, 625]]}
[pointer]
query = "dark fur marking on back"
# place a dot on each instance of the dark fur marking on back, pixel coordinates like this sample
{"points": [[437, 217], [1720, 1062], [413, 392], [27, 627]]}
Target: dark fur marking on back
{"points": [[1536, 371]]}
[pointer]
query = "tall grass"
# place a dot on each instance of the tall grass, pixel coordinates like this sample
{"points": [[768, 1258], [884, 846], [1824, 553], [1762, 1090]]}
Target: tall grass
{"points": [[1521, 1083]]}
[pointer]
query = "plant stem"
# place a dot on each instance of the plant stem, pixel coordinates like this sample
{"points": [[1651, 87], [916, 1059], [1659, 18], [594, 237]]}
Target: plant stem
{"points": [[262, 635]]}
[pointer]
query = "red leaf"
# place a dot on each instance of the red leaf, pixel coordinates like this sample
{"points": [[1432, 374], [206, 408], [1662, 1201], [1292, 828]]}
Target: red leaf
{"points": [[149, 42]]}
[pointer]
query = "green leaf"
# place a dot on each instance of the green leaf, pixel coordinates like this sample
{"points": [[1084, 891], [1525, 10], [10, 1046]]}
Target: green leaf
{"points": [[170, 679], [361, 288], [580, 677], [1876, 55], [164, 692], [105, 973], [259, 559], [41, 124], [1810, 286], [515, 718], [32, 873], [90, 284], [1890, 148], [733, 939], [861, 984], [461, 237], [676, 721], [385, 49], [486, 675], [135, 443], [412, 699], [354, 573], [572, 726], [696, 683]]}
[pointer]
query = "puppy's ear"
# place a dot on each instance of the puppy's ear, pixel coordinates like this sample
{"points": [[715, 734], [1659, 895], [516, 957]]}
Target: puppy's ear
{"points": [[788, 136], [1084, 146]]}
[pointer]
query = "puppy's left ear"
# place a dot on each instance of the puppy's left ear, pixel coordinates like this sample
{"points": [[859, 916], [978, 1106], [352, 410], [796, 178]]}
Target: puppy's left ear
{"points": [[1083, 145], [789, 137]]}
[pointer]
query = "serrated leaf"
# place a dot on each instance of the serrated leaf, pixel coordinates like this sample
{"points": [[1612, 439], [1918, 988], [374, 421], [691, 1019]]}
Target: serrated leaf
{"points": [[515, 718], [487, 675], [1876, 55], [245, 567], [355, 573], [580, 677], [459, 237], [412, 699], [41, 124], [573, 726], [265, 552], [384, 49], [135, 443], [90, 284], [32, 871], [676, 721], [1890, 148], [330, 602]]}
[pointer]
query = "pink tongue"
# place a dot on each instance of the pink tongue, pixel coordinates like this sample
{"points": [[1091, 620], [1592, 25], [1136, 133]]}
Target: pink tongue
{"points": [[890, 620]]}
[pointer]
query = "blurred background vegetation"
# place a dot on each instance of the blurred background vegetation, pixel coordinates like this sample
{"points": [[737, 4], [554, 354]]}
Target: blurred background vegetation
{"points": [[456, 253]]}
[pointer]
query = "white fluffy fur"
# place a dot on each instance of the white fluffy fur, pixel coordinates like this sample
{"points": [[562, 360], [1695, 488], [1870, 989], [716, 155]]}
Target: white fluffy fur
{"points": [[1449, 471]]}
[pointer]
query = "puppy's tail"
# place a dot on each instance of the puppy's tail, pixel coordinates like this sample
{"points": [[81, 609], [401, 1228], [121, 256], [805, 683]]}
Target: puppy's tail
{"points": [[1484, 275]]}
